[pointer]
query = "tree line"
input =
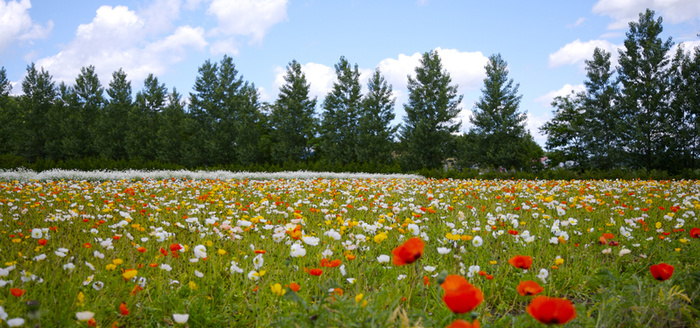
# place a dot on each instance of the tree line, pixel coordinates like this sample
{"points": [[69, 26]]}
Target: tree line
{"points": [[641, 115]]}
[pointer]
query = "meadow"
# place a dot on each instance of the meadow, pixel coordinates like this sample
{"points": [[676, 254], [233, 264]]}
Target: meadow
{"points": [[300, 249]]}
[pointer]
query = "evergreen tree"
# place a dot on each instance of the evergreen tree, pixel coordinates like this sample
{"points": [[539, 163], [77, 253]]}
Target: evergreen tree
{"points": [[292, 121], [433, 105], [645, 93], [567, 132], [170, 132], [601, 125], [685, 108], [9, 134], [39, 93], [376, 135], [85, 121], [499, 125], [200, 145], [144, 119], [341, 108], [116, 123], [62, 142]]}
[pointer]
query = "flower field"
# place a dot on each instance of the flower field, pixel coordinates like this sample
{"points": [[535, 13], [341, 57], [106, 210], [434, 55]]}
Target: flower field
{"points": [[181, 249]]}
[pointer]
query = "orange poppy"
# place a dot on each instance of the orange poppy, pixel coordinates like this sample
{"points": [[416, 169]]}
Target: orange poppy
{"points": [[294, 287], [461, 296], [695, 233], [459, 323], [426, 281], [408, 252], [123, 309], [551, 310], [529, 288], [661, 271], [315, 272], [521, 262], [16, 292]]}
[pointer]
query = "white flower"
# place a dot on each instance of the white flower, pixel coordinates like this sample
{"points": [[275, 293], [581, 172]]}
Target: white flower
{"points": [[200, 251], [383, 258], [473, 270], [37, 233], [414, 229], [84, 316], [69, 266], [624, 251], [89, 265], [543, 275], [429, 268], [298, 250], [253, 275], [607, 251], [258, 261], [333, 234], [477, 241], [3, 314], [351, 280], [98, 255], [327, 253], [40, 257], [401, 277], [554, 240], [198, 274], [166, 267], [235, 268], [342, 270], [97, 285], [15, 322], [443, 250], [313, 241], [180, 318]]}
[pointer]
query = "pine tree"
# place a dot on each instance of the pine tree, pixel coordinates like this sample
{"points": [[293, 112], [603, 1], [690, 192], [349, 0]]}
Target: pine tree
{"points": [[376, 135], [9, 134], [170, 133], [601, 124], [341, 108], [567, 132], [433, 105], [39, 94], [85, 122], [293, 125], [144, 119], [685, 108], [645, 93], [200, 147], [116, 124], [499, 125]]}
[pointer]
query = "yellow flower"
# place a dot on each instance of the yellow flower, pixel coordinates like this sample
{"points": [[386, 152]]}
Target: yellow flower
{"points": [[278, 290], [117, 261], [359, 297], [192, 285], [378, 238], [129, 274], [658, 225], [683, 240], [559, 261], [110, 267], [221, 252], [208, 243], [17, 240], [493, 262], [81, 299], [467, 237]]}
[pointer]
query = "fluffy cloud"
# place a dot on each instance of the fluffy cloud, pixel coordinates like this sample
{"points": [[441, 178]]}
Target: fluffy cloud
{"points": [[577, 52], [567, 89], [252, 18], [118, 38], [16, 24], [625, 11]]}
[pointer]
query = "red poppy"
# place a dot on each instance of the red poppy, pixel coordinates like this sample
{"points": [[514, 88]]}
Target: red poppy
{"points": [[43, 241], [459, 323], [259, 251], [175, 247], [521, 262], [164, 252], [551, 310], [460, 296], [695, 233], [294, 287], [141, 249], [16, 292], [529, 288], [136, 289], [123, 309], [315, 272], [408, 252], [426, 280], [661, 271]]}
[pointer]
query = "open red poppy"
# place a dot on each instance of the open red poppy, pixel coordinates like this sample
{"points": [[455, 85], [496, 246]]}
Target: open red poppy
{"points": [[695, 233], [551, 310], [315, 272], [459, 323], [461, 296], [408, 252], [529, 288], [521, 262], [661, 271]]}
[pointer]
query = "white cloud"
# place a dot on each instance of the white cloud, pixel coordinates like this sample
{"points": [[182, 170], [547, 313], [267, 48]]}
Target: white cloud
{"points": [[688, 47], [117, 38], [159, 16], [567, 89], [16, 24], [577, 52], [624, 11], [578, 22], [252, 18], [533, 123]]}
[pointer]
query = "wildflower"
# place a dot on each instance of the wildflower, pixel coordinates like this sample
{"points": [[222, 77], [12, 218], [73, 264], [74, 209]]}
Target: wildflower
{"points": [[426, 281], [543, 275], [443, 250], [180, 318], [383, 258], [17, 292], [298, 250], [278, 290], [459, 323], [294, 287], [624, 251], [474, 269], [551, 310], [408, 252], [521, 262], [315, 272], [42, 242], [661, 271], [200, 251], [129, 274], [258, 261], [84, 316], [477, 241], [529, 288], [123, 310], [460, 296], [695, 233], [15, 322]]}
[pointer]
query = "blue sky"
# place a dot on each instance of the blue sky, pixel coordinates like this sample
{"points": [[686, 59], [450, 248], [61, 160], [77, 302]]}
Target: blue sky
{"points": [[544, 42]]}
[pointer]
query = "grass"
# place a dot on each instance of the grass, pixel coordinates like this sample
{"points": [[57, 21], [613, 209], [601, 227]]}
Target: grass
{"points": [[372, 215]]}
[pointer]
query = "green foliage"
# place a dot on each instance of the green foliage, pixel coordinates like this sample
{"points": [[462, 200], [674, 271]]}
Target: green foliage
{"points": [[433, 105], [376, 135]]}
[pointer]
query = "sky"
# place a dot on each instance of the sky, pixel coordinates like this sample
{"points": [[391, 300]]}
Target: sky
{"points": [[545, 43]]}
